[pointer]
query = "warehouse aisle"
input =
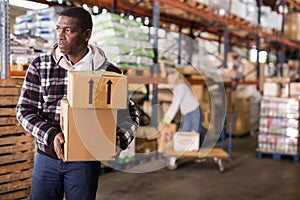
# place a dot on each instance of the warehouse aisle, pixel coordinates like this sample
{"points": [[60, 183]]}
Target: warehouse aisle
{"points": [[246, 178]]}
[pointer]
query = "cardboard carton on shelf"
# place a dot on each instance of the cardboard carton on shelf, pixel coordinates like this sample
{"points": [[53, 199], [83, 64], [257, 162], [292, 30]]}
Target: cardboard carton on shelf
{"points": [[90, 134], [97, 89]]}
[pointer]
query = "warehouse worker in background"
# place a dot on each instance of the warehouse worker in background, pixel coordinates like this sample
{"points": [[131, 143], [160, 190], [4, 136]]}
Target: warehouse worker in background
{"points": [[185, 101], [38, 110]]}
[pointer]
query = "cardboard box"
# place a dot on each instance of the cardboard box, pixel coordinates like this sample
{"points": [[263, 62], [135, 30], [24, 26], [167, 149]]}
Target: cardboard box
{"points": [[90, 134], [186, 141], [241, 125], [97, 89], [271, 89], [295, 89]]}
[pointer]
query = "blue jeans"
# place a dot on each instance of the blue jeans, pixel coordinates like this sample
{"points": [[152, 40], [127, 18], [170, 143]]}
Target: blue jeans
{"points": [[193, 121], [52, 178]]}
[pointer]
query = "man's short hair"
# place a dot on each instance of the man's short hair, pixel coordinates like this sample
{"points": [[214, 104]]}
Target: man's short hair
{"points": [[84, 17]]}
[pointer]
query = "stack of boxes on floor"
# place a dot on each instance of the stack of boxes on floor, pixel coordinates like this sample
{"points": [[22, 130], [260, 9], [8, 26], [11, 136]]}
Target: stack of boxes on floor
{"points": [[243, 102], [279, 117], [89, 114], [125, 43]]}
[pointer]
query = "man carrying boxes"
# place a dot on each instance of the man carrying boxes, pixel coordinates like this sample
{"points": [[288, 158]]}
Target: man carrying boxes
{"points": [[68, 130], [93, 98]]}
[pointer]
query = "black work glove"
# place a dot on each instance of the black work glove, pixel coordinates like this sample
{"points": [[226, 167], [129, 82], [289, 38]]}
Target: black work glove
{"points": [[124, 138]]}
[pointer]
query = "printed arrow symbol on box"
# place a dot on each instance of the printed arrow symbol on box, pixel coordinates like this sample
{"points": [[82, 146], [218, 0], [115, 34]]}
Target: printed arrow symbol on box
{"points": [[108, 91], [91, 85]]}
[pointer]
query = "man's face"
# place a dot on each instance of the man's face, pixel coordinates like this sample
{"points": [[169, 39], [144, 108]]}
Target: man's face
{"points": [[70, 36]]}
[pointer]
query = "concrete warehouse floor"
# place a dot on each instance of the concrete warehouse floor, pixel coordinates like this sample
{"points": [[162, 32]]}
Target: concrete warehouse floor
{"points": [[245, 178]]}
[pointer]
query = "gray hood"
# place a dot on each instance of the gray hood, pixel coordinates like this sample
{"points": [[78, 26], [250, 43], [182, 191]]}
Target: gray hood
{"points": [[93, 60]]}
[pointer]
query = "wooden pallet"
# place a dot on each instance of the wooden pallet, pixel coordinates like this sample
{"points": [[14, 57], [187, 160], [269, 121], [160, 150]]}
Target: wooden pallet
{"points": [[16, 146], [277, 155]]}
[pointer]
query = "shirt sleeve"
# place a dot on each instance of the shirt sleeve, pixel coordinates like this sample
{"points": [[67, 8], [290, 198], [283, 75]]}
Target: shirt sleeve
{"points": [[29, 108], [176, 100], [127, 123]]}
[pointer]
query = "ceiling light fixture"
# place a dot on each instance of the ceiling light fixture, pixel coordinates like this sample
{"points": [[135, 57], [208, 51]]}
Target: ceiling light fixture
{"points": [[95, 9], [28, 4]]}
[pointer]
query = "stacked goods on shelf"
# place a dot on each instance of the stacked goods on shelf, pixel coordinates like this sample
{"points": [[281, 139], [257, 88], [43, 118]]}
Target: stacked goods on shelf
{"points": [[292, 25], [239, 8], [270, 20], [168, 47], [279, 125], [19, 56], [38, 23], [33, 33], [247, 10], [16, 146], [23, 49], [252, 11], [219, 5], [125, 43]]}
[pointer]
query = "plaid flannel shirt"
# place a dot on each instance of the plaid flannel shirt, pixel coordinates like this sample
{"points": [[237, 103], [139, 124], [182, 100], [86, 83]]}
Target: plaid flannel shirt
{"points": [[38, 108]]}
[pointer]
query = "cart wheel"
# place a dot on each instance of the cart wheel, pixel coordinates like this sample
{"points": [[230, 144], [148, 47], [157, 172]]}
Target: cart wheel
{"points": [[172, 163]]}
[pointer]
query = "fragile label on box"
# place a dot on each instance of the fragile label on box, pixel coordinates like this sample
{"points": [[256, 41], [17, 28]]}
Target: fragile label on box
{"points": [[97, 89], [90, 134]]}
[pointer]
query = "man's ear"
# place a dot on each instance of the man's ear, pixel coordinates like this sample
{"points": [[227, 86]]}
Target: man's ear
{"points": [[88, 34]]}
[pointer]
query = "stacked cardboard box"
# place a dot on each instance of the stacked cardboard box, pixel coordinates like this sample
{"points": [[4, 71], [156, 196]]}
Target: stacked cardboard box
{"points": [[89, 114]]}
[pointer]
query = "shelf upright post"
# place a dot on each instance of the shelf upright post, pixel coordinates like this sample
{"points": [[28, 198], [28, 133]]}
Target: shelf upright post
{"points": [[282, 46], [115, 6], [219, 45], [191, 44], [155, 67], [179, 45], [299, 62], [258, 40], [4, 38], [226, 46]]}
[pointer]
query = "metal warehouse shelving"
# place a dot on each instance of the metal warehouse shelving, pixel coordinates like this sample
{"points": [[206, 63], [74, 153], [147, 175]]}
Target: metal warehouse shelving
{"points": [[4, 38]]}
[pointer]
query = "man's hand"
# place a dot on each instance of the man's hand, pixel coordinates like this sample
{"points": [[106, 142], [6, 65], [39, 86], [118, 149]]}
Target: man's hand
{"points": [[58, 141]]}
